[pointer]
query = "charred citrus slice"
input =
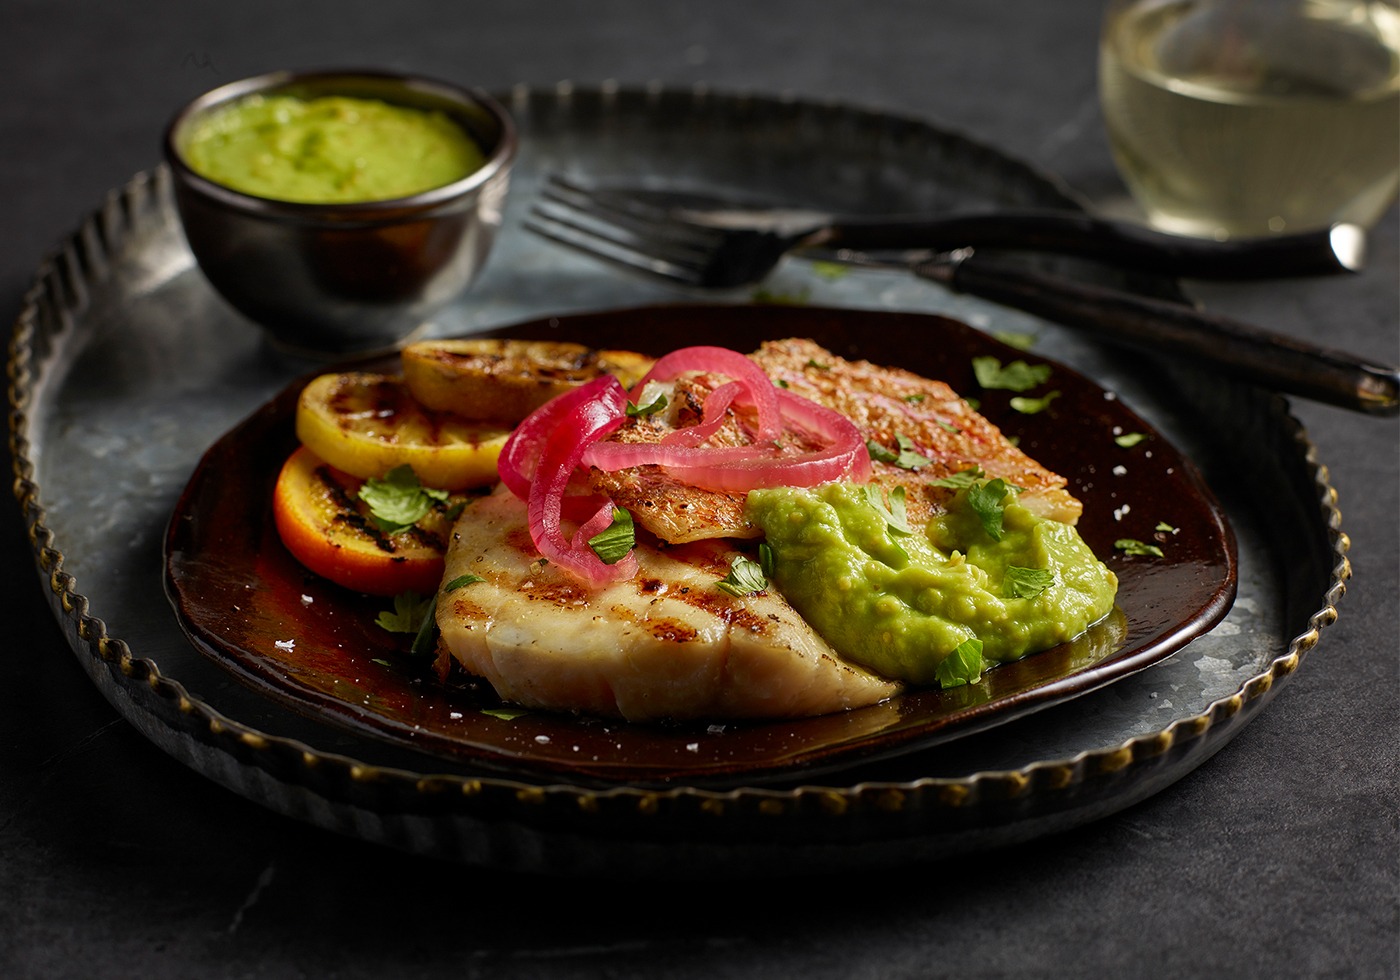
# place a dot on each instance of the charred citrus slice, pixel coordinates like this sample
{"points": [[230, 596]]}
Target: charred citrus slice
{"points": [[505, 380], [326, 527], [367, 424]]}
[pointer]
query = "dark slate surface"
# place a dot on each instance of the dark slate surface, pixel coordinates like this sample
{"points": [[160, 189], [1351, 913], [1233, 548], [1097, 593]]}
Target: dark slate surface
{"points": [[1278, 858]]}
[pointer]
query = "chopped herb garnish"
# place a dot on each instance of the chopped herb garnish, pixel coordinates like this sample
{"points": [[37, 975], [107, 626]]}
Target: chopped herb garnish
{"points": [[895, 513], [426, 638], [407, 614], [613, 544], [947, 427], [830, 270], [988, 501], [399, 501], [745, 578], [1132, 546], [817, 365], [879, 453], [963, 478], [1165, 528], [962, 666], [505, 714], [1020, 341], [414, 614], [783, 384], [906, 459], [1016, 376], [1129, 439], [915, 399], [1026, 583], [651, 408], [380, 661], [1030, 406], [462, 580], [766, 559]]}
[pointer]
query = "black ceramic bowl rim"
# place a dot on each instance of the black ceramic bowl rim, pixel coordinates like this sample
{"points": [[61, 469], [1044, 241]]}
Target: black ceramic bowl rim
{"points": [[499, 157]]}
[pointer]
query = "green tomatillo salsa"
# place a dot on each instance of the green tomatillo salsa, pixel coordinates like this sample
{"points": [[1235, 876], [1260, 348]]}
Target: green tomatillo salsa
{"points": [[986, 582], [328, 150]]}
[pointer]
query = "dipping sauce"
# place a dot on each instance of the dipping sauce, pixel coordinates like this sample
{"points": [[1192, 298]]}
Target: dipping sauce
{"points": [[329, 150]]}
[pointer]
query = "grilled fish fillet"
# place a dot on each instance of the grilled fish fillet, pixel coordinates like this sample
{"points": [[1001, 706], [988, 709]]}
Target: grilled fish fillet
{"points": [[882, 402], [666, 645]]}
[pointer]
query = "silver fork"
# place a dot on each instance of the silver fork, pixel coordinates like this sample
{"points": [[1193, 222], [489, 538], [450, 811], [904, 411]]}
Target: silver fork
{"points": [[685, 238], [630, 233]]}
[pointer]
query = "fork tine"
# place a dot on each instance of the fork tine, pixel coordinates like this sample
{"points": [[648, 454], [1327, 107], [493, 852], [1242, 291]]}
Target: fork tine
{"points": [[647, 222], [588, 242], [683, 253]]}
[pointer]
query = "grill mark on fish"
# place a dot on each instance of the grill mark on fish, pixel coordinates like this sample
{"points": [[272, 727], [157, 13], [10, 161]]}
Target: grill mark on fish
{"points": [[665, 645]]}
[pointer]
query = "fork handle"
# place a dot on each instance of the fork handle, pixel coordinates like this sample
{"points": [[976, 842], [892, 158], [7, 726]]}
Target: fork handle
{"points": [[1123, 244], [1272, 360]]}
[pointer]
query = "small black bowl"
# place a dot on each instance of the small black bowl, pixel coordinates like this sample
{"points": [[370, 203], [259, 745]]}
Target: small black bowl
{"points": [[332, 279]]}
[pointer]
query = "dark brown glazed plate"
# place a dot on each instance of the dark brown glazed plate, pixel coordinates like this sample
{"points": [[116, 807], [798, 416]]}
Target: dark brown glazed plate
{"points": [[245, 603]]}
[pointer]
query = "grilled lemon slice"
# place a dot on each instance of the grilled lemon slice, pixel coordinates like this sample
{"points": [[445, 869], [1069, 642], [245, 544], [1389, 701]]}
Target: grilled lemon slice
{"points": [[366, 424], [505, 380]]}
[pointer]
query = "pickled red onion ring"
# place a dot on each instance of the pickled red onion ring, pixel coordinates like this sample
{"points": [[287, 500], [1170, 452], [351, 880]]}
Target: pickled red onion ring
{"points": [[540, 458], [738, 367], [712, 417], [742, 468]]}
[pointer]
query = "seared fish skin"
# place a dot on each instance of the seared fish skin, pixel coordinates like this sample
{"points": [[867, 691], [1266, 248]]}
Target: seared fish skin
{"points": [[886, 402], [883, 403], [666, 645]]}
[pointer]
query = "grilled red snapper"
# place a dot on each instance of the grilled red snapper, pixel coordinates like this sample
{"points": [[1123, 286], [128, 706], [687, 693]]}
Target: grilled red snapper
{"points": [[666, 644]]}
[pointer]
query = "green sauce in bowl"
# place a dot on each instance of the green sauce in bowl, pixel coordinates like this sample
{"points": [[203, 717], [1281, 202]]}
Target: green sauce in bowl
{"points": [[328, 150]]}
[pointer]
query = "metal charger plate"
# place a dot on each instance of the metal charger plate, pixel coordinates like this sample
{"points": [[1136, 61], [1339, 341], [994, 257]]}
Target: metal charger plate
{"points": [[125, 368]]}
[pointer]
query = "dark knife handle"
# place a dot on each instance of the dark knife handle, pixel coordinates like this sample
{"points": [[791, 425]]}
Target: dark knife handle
{"points": [[1123, 244], [1271, 360]]}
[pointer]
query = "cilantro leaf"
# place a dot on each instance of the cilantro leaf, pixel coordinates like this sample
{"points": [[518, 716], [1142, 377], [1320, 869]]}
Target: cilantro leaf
{"points": [[407, 614], [962, 478], [399, 500], [962, 666], [650, 408], [879, 453], [414, 614], [612, 544], [895, 513], [1132, 546], [1020, 341], [505, 714], [830, 270], [1165, 528], [1016, 376], [766, 559], [745, 578], [1129, 439], [906, 459], [1026, 583], [1031, 406], [988, 501]]}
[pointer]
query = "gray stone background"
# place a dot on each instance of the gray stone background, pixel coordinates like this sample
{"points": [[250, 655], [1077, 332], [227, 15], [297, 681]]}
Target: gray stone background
{"points": [[1277, 858]]}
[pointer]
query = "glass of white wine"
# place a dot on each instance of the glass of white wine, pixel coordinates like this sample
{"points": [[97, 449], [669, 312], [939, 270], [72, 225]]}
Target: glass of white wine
{"points": [[1249, 117]]}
